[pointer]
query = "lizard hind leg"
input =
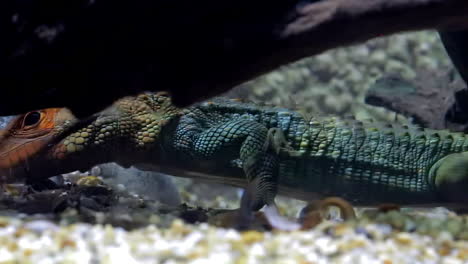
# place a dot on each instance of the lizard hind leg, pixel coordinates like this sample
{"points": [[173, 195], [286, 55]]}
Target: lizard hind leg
{"points": [[450, 176]]}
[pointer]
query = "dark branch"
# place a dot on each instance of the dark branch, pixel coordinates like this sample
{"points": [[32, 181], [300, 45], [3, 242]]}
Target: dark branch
{"points": [[85, 54]]}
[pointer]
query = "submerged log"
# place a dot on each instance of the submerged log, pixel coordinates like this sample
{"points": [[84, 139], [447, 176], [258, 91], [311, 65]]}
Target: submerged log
{"points": [[456, 44], [435, 99], [84, 54]]}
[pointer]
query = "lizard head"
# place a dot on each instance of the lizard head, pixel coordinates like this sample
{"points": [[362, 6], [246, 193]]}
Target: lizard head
{"points": [[26, 136], [44, 143]]}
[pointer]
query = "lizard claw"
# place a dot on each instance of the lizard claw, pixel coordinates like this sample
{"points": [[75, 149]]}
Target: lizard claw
{"points": [[276, 141], [277, 221]]}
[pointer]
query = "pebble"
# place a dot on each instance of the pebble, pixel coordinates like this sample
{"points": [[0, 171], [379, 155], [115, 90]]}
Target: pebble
{"points": [[40, 241]]}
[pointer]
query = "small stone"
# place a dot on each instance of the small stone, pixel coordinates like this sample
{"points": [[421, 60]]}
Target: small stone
{"points": [[404, 239], [251, 237], [89, 181]]}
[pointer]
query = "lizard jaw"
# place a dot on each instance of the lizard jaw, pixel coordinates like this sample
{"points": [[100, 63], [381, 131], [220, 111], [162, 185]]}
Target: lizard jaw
{"points": [[18, 164]]}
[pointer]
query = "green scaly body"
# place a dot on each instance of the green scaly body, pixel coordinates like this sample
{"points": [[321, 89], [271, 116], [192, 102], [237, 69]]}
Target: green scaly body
{"points": [[271, 148], [367, 163]]}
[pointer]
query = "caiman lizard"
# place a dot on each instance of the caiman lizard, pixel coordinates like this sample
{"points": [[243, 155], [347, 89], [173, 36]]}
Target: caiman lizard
{"points": [[265, 149]]}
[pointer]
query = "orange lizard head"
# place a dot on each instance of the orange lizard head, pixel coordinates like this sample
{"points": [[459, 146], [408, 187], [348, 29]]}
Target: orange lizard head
{"points": [[26, 136], [45, 143]]}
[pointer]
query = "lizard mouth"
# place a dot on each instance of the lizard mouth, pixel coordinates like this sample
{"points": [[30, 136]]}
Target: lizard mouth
{"points": [[14, 175], [18, 157]]}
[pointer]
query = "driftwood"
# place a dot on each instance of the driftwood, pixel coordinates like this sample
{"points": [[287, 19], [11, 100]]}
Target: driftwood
{"points": [[435, 99], [456, 43], [85, 54]]}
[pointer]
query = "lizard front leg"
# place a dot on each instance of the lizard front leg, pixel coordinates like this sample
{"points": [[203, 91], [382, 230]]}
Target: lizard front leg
{"points": [[261, 171], [244, 139]]}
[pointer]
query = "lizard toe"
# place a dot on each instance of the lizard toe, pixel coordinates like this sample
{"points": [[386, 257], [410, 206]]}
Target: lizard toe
{"points": [[276, 140]]}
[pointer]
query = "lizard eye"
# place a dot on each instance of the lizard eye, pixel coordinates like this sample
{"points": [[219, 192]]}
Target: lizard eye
{"points": [[31, 119]]}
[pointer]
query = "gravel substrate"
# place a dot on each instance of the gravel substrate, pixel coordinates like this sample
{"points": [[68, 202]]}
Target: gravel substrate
{"points": [[336, 81], [40, 241]]}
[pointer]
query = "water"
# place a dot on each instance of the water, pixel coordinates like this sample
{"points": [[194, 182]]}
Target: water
{"points": [[4, 121]]}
